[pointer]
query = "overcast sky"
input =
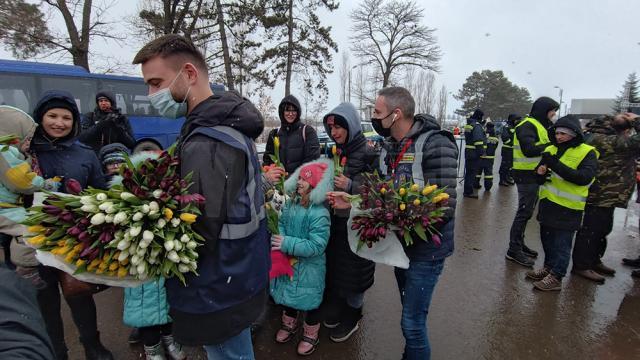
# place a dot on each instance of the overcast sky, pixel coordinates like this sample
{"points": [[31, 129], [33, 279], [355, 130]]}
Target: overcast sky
{"points": [[586, 47]]}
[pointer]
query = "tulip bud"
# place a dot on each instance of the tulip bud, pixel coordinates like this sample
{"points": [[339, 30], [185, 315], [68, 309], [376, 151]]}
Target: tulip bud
{"points": [[137, 216], [161, 223], [185, 259], [123, 255], [142, 250], [157, 193], [135, 231], [185, 238], [183, 268], [173, 256], [101, 197], [97, 219], [175, 222], [120, 218], [168, 245], [87, 200], [135, 259], [145, 208], [177, 245], [143, 244], [153, 206], [127, 196], [133, 270], [192, 245], [108, 218], [73, 186], [142, 269], [89, 208], [123, 245], [147, 236]]}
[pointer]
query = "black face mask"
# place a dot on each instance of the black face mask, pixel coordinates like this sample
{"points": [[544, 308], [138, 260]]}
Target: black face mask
{"points": [[381, 130]]}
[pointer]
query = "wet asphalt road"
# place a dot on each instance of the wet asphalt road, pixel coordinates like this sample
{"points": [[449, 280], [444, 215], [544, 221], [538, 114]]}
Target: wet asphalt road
{"points": [[482, 308]]}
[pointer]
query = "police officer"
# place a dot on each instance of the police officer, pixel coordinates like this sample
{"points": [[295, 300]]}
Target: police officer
{"points": [[474, 138], [486, 160], [506, 162]]}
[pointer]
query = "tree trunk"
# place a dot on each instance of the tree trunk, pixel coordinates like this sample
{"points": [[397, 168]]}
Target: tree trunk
{"points": [[225, 46], [287, 85], [79, 41]]}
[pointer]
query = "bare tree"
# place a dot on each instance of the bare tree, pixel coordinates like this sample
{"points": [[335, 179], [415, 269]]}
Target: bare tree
{"points": [[25, 30], [344, 75], [421, 84], [442, 105], [389, 34]]}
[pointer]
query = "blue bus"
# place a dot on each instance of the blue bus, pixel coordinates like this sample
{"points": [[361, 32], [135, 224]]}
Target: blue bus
{"points": [[23, 82]]}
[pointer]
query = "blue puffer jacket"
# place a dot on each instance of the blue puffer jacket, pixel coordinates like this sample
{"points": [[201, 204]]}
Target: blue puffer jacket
{"points": [[306, 233], [146, 305]]}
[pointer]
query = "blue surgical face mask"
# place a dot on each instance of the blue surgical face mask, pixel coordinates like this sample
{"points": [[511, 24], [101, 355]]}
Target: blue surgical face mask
{"points": [[166, 105]]}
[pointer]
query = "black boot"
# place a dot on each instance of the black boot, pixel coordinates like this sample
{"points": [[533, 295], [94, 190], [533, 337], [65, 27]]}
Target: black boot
{"points": [[349, 324], [94, 350]]}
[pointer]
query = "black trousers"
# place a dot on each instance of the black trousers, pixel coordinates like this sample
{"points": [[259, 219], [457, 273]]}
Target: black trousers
{"points": [[506, 163], [83, 312], [313, 317], [470, 171], [591, 240], [527, 200], [486, 168], [151, 334]]}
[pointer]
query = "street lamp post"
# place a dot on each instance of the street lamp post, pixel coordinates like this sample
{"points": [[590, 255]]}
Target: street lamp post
{"points": [[560, 109], [353, 67]]}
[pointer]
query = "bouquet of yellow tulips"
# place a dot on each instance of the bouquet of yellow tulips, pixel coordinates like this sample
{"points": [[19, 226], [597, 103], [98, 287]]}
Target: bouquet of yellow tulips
{"points": [[406, 209], [138, 229]]}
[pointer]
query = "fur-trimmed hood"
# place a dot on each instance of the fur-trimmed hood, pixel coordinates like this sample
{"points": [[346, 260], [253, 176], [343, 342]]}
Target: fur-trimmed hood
{"points": [[319, 193]]}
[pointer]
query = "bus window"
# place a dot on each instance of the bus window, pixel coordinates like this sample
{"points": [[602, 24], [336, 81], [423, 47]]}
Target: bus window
{"points": [[18, 91], [82, 89], [131, 97]]}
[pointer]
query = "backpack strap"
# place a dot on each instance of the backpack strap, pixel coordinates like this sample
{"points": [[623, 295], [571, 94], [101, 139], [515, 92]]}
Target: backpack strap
{"points": [[304, 133], [416, 168]]}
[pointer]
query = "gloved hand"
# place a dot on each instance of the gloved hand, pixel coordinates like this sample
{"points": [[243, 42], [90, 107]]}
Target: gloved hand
{"points": [[548, 159]]}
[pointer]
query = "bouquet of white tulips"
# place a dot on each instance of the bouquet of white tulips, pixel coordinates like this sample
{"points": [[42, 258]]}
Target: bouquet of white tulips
{"points": [[141, 228]]}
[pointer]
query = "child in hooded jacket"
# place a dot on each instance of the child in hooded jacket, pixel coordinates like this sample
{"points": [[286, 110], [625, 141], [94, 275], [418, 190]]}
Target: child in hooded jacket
{"points": [[304, 228]]}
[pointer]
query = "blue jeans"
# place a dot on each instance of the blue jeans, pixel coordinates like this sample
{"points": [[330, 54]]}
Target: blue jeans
{"points": [[556, 244], [416, 286], [238, 347]]}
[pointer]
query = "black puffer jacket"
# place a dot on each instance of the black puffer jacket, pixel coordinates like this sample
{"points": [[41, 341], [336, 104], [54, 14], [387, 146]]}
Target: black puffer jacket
{"points": [[440, 167], [295, 148], [549, 213], [101, 128], [528, 136], [347, 272]]}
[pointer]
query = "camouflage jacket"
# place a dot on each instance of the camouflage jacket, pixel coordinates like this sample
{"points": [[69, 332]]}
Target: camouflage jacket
{"points": [[615, 181]]}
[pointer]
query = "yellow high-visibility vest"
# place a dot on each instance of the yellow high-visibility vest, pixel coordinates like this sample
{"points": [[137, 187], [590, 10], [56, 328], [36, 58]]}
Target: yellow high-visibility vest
{"points": [[562, 192], [520, 161]]}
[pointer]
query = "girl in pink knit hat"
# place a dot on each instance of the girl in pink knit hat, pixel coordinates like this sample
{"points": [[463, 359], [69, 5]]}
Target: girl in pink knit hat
{"points": [[304, 228]]}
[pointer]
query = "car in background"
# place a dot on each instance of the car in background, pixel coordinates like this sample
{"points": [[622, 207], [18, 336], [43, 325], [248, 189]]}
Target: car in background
{"points": [[373, 139]]}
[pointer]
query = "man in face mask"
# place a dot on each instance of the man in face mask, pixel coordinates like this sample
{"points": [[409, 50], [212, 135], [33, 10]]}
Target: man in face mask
{"points": [[530, 140], [612, 188], [216, 145], [416, 149]]}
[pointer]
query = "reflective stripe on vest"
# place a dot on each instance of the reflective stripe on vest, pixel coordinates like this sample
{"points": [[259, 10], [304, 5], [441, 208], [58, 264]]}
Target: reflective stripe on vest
{"points": [[416, 166], [563, 192], [238, 227], [520, 161]]}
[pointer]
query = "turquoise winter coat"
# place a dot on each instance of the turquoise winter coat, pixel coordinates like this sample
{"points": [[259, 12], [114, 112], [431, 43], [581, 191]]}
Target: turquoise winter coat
{"points": [[146, 305], [306, 233]]}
